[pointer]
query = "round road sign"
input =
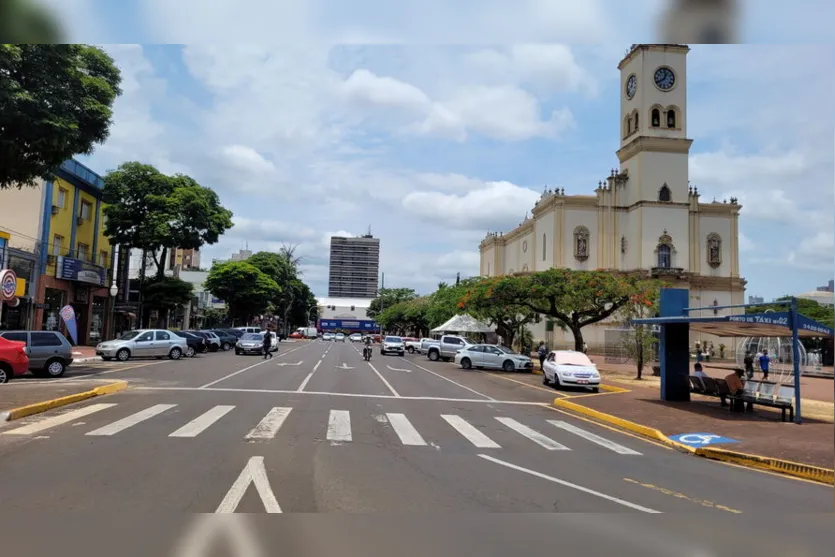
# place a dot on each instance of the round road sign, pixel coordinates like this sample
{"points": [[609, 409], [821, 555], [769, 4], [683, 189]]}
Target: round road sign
{"points": [[8, 284]]}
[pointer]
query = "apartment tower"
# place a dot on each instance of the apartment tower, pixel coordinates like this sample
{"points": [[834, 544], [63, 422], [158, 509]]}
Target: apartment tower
{"points": [[354, 267]]}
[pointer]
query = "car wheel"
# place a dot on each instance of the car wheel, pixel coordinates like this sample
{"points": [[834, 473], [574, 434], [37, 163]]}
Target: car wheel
{"points": [[434, 356], [190, 352], [466, 363], [226, 346], [411, 349], [123, 355], [176, 353], [55, 368], [5, 373], [237, 352], [509, 366], [595, 389], [557, 384], [203, 348]]}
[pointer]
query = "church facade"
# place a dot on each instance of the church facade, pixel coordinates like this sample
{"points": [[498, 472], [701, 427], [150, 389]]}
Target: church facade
{"points": [[644, 217]]}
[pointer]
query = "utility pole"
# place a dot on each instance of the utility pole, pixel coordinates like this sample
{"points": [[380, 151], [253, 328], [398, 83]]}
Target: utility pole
{"points": [[382, 300]]}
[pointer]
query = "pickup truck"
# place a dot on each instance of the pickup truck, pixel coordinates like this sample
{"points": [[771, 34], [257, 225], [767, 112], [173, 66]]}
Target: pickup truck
{"points": [[443, 348], [413, 344]]}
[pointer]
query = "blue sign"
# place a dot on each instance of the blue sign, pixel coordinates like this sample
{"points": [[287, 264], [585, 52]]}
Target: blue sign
{"points": [[348, 324], [81, 271], [701, 439]]}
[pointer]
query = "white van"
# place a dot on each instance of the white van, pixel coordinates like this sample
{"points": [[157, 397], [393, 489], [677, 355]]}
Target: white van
{"points": [[248, 329]]}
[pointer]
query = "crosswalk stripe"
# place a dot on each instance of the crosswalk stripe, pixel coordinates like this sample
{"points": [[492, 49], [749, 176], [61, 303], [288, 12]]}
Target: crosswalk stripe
{"points": [[470, 432], [405, 430], [199, 424], [270, 424], [339, 426], [532, 434], [594, 438], [132, 420], [47, 423]]}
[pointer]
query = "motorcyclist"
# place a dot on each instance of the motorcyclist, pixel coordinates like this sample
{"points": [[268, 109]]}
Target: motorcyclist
{"points": [[366, 351]]}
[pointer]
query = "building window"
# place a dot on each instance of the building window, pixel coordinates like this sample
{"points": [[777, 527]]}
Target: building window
{"points": [[671, 118], [524, 246], [581, 243], [57, 242], [544, 243], [62, 198], [665, 259], [83, 252], [664, 194], [86, 209], [656, 118], [714, 250], [637, 127], [103, 259]]}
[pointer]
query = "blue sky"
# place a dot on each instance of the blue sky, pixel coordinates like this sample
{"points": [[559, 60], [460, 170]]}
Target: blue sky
{"points": [[433, 145]]}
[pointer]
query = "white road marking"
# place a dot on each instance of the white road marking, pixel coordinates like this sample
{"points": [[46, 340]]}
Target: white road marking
{"points": [[348, 395], [53, 421], [253, 472], [282, 364], [405, 430], [447, 379], [199, 424], [270, 424], [532, 434], [383, 379], [569, 484], [234, 373], [589, 436], [470, 432], [305, 382], [339, 426], [398, 369], [343, 366], [132, 420]]}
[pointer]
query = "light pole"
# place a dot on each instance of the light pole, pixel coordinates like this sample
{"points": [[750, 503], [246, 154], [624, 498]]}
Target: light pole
{"points": [[308, 314], [114, 291]]}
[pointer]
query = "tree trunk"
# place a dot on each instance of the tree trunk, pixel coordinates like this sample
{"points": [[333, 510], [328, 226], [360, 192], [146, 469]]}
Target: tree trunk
{"points": [[578, 336], [161, 263]]}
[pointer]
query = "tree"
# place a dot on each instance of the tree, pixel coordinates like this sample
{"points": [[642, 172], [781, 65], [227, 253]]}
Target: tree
{"points": [[406, 317], [388, 297], [56, 101], [575, 298], [825, 315], [246, 290], [296, 298], [483, 301], [443, 304], [639, 343], [167, 293], [24, 22], [148, 210]]}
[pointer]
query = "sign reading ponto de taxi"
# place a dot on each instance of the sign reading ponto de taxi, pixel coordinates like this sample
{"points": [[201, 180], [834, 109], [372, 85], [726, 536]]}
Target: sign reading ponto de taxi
{"points": [[8, 284], [701, 439]]}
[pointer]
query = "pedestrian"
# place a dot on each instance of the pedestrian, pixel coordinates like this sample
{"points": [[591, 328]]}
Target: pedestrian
{"points": [[543, 352], [268, 344], [585, 348], [749, 365], [764, 361]]}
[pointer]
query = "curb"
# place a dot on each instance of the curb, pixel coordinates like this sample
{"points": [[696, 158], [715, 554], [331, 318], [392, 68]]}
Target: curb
{"points": [[786, 467], [38, 407], [85, 360]]}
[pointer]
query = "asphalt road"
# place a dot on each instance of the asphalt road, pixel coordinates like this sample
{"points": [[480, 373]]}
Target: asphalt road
{"points": [[316, 429]]}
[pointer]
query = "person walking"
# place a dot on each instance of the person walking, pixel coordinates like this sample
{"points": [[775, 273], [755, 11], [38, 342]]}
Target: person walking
{"points": [[749, 365], [764, 361], [268, 344], [542, 352]]}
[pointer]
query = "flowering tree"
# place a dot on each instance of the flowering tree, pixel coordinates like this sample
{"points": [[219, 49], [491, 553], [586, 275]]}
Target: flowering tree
{"points": [[485, 299], [639, 343]]}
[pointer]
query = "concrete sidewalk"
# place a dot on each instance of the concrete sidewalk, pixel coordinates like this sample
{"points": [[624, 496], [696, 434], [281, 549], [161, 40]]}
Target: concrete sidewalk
{"points": [[84, 354]]}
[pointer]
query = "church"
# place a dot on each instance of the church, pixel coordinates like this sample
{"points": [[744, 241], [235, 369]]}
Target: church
{"points": [[643, 217]]}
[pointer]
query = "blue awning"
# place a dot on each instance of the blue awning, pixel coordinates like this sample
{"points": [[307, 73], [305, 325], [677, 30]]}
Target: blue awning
{"points": [[774, 324]]}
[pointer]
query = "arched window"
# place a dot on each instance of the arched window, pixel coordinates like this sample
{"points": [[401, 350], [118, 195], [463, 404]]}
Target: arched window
{"points": [[656, 118], [581, 243], [665, 258], [664, 194], [544, 240], [671, 118]]}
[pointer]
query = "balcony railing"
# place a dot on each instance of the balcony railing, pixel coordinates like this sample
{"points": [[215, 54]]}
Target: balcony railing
{"points": [[667, 271], [77, 169]]}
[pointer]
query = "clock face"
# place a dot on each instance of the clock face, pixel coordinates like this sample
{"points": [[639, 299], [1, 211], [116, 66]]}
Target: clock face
{"points": [[631, 86], [665, 78]]}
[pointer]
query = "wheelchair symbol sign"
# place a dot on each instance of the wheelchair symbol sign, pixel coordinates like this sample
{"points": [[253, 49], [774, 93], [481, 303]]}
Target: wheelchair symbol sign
{"points": [[701, 439]]}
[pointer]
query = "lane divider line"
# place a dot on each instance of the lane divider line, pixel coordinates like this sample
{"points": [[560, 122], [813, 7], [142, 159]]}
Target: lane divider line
{"points": [[383, 379], [448, 379], [234, 373]]}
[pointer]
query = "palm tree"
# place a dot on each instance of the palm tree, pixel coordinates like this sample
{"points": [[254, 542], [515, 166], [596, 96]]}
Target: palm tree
{"points": [[288, 253]]}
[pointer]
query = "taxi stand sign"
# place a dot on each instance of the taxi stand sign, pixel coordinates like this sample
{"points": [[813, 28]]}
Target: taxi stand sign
{"points": [[701, 439]]}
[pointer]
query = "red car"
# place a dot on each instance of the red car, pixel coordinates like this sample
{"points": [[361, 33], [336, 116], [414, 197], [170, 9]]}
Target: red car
{"points": [[14, 359]]}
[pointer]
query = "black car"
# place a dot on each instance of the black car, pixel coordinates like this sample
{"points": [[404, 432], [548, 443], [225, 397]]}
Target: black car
{"points": [[227, 340], [212, 344], [194, 344]]}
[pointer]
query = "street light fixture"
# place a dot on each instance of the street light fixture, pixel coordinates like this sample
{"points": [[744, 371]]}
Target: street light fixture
{"points": [[114, 291]]}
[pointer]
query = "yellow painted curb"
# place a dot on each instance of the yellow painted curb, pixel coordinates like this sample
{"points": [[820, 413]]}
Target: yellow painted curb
{"points": [[613, 389], [38, 407], [795, 469]]}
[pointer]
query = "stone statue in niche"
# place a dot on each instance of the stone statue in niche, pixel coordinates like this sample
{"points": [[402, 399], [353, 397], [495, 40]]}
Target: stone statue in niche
{"points": [[714, 250], [581, 244]]}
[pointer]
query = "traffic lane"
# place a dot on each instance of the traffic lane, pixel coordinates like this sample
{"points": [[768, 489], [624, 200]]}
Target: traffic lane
{"points": [[285, 371], [344, 371], [498, 385], [411, 381]]}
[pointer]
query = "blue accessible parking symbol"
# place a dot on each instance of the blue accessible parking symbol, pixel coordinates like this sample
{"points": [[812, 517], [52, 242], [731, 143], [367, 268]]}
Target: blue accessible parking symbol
{"points": [[701, 439]]}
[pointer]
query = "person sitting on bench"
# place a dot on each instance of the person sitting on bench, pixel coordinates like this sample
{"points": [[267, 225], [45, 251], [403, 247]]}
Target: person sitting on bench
{"points": [[736, 387], [697, 370]]}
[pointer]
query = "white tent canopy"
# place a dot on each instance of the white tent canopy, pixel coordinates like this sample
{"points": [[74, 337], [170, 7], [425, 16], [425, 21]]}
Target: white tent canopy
{"points": [[463, 324]]}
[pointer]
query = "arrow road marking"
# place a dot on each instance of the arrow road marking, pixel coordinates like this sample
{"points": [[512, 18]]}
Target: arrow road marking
{"points": [[343, 366], [253, 473], [282, 364], [397, 369]]}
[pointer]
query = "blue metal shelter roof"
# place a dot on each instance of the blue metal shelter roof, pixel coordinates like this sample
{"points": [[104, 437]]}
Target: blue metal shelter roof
{"points": [[747, 325]]}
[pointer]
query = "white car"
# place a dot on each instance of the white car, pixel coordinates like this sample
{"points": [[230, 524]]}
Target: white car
{"points": [[567, 368], [327, 336], [490, 356], [339, 337], [393, 344], [273, 340], [356, 337]]}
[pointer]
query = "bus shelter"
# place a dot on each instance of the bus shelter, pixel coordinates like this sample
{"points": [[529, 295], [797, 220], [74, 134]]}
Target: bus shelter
{"points": [[675, 323]]}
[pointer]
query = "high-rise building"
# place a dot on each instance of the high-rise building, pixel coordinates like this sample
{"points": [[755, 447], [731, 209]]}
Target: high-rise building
{"points": [[185, 259], [756, 300], [828, 288], [354, 267]]}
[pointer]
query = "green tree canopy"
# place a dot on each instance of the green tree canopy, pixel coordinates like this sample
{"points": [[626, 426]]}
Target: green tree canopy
{"points": [[296, 297], [167, 293], [245, 289], [825, 315], [388, 297], [497, 306], [56, 101], [147, 210], [408, 317]]}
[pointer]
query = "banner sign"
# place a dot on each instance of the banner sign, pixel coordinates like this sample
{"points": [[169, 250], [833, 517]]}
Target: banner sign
{"points": [[81, 271], [781, 318], [348, 324], [68, 315], [8, 284]]}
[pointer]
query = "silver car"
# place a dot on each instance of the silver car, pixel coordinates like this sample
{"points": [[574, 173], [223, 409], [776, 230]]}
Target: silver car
{"points": [[49, 351], [394, 345], [143, 343], [490, 356]]}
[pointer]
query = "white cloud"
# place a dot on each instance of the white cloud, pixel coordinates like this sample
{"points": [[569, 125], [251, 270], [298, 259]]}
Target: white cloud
{"points": [[247, 159], [270, 230], [366, 88]]}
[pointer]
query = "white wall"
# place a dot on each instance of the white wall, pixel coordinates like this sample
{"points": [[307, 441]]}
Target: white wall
{"points": [[721, 226], [511, 257], [526, 255], [20, 216], [544, 232], [673, 219], [486, 268], [575, 217]]}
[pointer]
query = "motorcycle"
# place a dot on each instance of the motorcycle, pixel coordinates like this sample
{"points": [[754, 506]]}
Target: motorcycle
{"points": [[366, 353]]}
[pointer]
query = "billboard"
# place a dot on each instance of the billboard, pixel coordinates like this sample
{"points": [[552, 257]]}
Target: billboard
{"points": [[348, 325], [81, 271]]}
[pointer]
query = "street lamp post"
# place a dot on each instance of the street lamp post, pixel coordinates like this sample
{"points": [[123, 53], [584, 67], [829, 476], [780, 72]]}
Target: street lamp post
{"points": [[114, 291], [308, 314]]}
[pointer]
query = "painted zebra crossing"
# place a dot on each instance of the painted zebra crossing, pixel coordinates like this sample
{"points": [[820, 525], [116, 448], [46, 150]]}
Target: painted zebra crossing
{"points": [[339, 427]]}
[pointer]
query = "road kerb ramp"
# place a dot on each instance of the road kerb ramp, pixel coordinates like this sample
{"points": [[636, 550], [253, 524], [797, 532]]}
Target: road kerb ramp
{"points": [[787, 467], [38, 407]]}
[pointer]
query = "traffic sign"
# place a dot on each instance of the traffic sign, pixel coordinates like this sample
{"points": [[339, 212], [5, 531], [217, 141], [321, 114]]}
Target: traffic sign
{"points": [[701, 439]]}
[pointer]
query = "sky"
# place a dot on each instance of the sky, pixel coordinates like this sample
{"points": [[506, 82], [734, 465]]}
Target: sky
{"points": [[431, 146]]}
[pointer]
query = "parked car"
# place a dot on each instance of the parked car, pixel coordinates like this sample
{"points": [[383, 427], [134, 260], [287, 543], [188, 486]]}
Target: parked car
{"points": [[194, 344], [413, 344], [249, 329], [227, 340], [444, 348], [234, 332], [570, 368], [489, 356], [250, 343], [296, 335], [14, 359], [212, 339], [50, 353], [143, 343], [274, 340], [392, 344]]}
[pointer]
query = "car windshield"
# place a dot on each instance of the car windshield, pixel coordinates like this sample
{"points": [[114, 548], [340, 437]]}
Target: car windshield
{"points": [[394, 339], [469, 340], [129, 335], [252, 336]]}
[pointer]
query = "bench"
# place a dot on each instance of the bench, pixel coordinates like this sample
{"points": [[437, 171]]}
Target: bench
{"points": [[762, 393]]}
